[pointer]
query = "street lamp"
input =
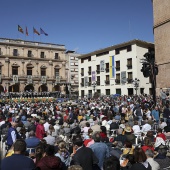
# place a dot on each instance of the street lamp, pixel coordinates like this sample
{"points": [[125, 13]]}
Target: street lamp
{"points": [[94, 85], [136, 84]]}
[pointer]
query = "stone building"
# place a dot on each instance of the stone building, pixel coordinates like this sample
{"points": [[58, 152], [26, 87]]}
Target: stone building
{"points": [[161, 11], [72, 69], [35, 66]]}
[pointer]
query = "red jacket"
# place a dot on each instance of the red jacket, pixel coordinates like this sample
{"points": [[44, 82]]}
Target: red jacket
{"points": [[40, 132]]}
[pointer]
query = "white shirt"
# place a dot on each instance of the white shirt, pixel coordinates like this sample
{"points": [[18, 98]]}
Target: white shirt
{"points": [[46, 126], [146, 127], [153, 164], [136, 129], [50, 140]]}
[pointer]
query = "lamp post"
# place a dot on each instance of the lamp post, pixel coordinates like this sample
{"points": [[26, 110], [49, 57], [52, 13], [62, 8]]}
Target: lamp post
{"points": [[136, 84], [94, 85]]}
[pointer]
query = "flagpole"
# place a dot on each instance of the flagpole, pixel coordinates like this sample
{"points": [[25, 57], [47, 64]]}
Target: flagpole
{"points": [[25, 33]]}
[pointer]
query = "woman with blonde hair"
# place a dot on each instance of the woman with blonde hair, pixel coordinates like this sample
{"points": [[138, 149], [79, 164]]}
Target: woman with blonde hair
{"points": [[63, 153]]}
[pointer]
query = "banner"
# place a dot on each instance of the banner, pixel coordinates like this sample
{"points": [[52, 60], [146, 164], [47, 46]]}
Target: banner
{"points": [[112, 67], [57, 79], [15, 79], [93, 78], [29, 79], [123, 77], [102, 66], [85, 81], [43, 79]]}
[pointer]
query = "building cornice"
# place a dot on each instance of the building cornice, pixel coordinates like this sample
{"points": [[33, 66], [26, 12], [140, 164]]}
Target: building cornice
{"points": [[161, 23], [135, 41]]}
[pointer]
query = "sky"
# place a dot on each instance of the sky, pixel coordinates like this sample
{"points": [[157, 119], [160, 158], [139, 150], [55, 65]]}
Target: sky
{"points": [[81, 25]]}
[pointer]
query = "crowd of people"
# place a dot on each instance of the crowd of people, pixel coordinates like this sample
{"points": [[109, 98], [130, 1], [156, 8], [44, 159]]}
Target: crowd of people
{"points": [[105, 133]]}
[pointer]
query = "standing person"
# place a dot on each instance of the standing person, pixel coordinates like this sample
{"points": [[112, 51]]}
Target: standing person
{"points": [[12, 135], [83, 156], [155, 114], [166, 114], [40, 132], [100, 149], [138, 114], [18, 161]]}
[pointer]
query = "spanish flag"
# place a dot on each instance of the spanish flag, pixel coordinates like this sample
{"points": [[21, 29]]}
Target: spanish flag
{"points": [[35, 31], [20, 29]]}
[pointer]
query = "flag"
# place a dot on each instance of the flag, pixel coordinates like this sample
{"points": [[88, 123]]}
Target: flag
{"points": [[5, 90], [26, 31], [35, 31], [42, 32], [20, 29]]}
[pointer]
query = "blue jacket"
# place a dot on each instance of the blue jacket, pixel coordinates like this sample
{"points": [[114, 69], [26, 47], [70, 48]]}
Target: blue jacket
{"points": [[9, 137], [32, 142], [101, 151]]}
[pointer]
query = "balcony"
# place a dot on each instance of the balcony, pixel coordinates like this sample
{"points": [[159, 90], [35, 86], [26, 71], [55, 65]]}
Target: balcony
{"points": [[107, 82], [82, 84], [117, 68], [98, 71], [129, 66], [57, 57], [16, 54], [129, 81], [82, 73], [98, 83], [89, 83], [117, 81], [107, 70]]}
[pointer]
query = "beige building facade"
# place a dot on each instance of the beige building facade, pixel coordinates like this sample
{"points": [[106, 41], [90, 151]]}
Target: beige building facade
{"points": [[35, 66], [161, 11]]}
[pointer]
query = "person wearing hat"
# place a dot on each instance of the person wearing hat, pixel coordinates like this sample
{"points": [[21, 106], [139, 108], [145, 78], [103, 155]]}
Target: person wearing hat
{"points": [[128, 133]]}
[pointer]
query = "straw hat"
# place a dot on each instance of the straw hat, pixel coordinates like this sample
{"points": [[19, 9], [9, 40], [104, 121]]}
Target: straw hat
{"points": [[128, 129]]}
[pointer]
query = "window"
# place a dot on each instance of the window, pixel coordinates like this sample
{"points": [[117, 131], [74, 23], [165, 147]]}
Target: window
{"points": [[14, 70], [82, 82], [29, 71], [29, 53], [98, 80], [129, 48], [129, 63], [82, 93], [89, 81], [97, 69], [117, 79], [107, 67], [98, 91], [89, 59], [89, 70], [56, 56], [82, 71], [103, 53], [15, 52], [107, 81], [117, 65], [107, 91], [43, 71], [42, 55], [57, 72], [130, 77], [117, 51]]}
